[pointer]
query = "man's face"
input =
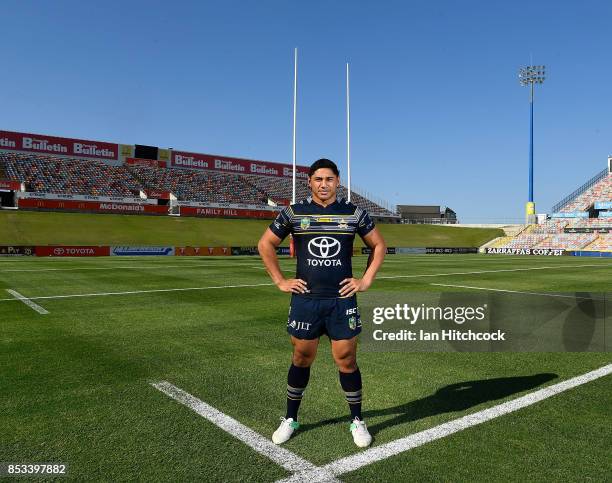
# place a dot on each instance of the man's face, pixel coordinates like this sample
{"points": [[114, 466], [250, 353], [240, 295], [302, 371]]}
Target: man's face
{"points": [[323, 183]]}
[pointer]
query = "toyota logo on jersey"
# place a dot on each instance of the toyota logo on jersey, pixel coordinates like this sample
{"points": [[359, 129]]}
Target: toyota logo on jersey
{"points": [[324, 247]]}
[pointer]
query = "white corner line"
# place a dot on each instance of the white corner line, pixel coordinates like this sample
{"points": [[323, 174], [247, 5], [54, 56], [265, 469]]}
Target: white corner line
{"points": [[511, 291], [306, 472], [384, 451], [132, 292], [28, 302], [264, 446]]}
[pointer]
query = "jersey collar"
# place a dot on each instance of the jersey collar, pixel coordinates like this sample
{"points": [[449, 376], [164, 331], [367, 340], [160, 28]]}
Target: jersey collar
{"points": [[335, 203]]}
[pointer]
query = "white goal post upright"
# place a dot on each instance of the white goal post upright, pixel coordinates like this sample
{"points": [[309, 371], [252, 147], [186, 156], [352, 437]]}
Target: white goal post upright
{"points": [[293, 181], [348, 133], [295, 54]]}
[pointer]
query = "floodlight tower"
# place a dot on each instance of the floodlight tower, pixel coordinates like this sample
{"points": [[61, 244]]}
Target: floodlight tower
{"points": [[529, 76]]}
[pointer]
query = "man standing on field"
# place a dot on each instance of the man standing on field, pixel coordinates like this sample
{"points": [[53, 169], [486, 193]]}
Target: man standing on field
{"points": [[323, 294]]}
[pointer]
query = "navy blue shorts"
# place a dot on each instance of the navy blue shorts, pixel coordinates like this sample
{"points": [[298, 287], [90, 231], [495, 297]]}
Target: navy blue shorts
{"points": [[310, 318]]}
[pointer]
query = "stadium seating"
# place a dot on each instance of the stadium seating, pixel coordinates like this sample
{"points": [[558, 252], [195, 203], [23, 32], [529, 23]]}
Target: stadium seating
{"points": [[551, 226], [526, 240], [567, 241], [591, 223], [551, 234], [51, 174], [364, 203], [279, 188], [600, 191], [198, 185], [602, 243]]}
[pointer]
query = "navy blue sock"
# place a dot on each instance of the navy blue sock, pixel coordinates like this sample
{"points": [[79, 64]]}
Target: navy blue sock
{"points": [[351, 385], [297, 380]]}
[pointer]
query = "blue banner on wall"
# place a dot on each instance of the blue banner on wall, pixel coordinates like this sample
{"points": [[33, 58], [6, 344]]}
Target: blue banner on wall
{"points": [[128, 251], [603, 205], [571, 214]]}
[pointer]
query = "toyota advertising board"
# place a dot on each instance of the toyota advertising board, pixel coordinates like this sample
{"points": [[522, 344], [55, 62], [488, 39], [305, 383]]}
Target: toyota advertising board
{"points": [[71, 251]]}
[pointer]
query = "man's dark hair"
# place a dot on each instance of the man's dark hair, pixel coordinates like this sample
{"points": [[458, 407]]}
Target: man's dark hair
{"points": [[323, 163]]}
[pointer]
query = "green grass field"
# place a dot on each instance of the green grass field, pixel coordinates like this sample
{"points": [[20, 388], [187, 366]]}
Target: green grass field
{"points": [[36, 228], [76, 382]]}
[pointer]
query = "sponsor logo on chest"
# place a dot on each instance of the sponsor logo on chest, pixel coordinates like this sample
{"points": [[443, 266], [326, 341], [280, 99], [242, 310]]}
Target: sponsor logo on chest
{"points": [[324, 249]]}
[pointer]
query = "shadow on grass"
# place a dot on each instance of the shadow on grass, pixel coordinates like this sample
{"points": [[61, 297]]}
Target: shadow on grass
{"points": [[452, 398]]}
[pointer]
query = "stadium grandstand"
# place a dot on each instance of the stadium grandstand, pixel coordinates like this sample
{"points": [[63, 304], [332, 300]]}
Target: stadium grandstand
{"points": [[41, 170], [193, 185], [280, 191], [580, 221], [50, 174]]}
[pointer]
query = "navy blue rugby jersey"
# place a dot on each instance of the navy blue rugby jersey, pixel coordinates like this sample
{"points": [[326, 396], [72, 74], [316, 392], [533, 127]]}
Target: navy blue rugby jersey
{"points": [[323, 240]]}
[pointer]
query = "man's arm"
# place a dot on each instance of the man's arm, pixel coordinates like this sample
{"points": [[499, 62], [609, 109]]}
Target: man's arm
{"points": [[375, 241], [267, 250]]}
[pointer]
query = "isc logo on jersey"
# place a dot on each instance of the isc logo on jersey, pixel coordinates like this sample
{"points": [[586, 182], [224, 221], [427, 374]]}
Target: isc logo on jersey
{"points": [[324, 248]]}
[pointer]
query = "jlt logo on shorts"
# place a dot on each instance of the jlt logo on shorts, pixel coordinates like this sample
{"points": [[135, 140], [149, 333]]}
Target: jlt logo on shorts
{"points": [[299, 325]]}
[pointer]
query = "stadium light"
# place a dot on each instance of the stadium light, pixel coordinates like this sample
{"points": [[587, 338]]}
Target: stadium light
{"points": [[530, 76]]}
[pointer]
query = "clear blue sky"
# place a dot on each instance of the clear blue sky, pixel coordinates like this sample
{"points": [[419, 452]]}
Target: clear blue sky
{"points": [[438, 115]]}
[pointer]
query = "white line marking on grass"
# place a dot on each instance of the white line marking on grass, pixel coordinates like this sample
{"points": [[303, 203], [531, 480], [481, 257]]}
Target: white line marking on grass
{"points": [[288, 270], [101, 294], [510, 291], [131, 292], [86, 268], [378, 453], [424, 258], [486, 271], [129, 267], [27, 301], [285, 458]]}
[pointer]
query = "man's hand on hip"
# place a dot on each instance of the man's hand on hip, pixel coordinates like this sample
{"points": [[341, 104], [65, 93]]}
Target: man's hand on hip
{"points": [[293, 285], [350, 286]]}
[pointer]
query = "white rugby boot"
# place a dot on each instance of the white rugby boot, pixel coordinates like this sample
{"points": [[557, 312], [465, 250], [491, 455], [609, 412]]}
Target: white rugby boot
{"points": [[285, 430], [361, 436]]}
